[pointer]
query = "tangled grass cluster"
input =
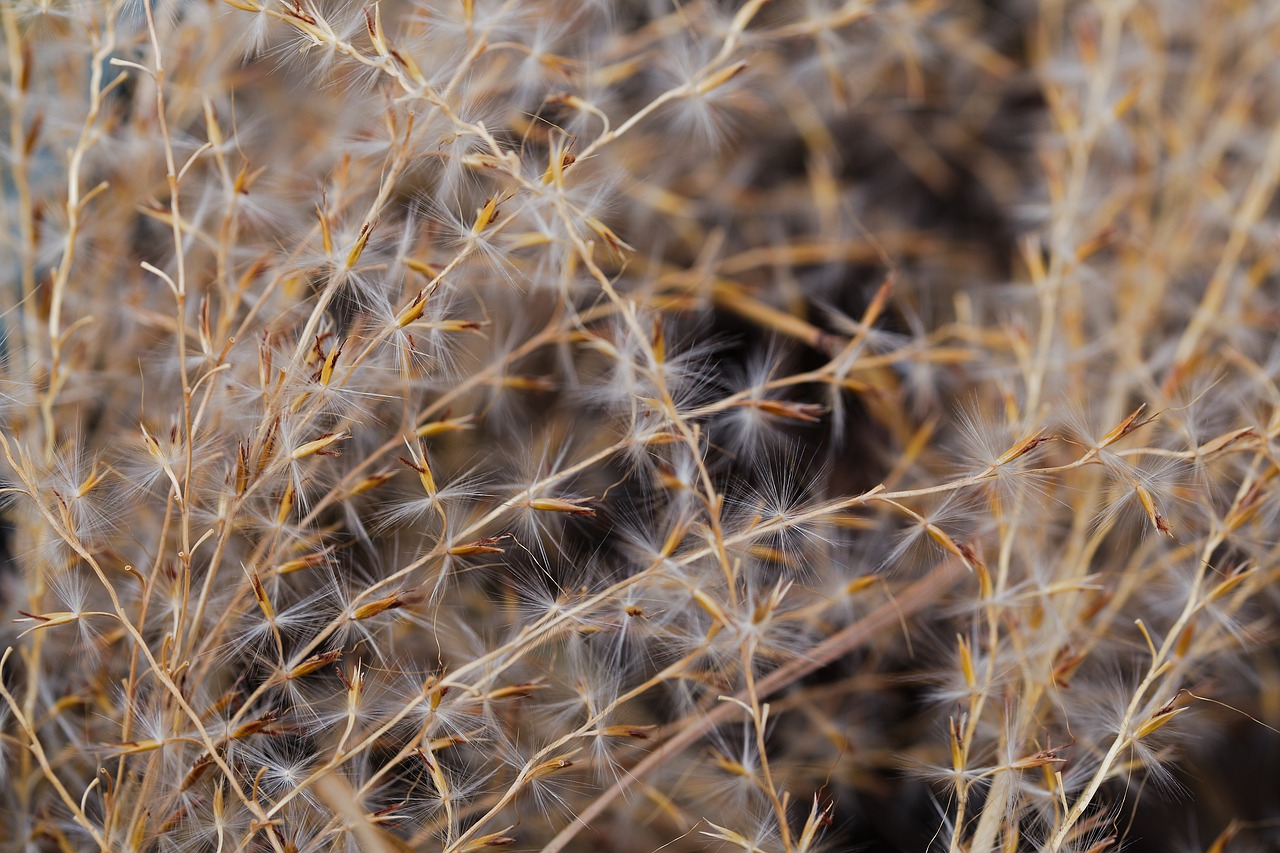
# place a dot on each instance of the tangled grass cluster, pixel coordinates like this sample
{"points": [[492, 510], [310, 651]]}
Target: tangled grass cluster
{"points": [[773, 426]]}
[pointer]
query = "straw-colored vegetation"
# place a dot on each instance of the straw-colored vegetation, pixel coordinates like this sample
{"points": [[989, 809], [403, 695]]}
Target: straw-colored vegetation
{"points": [[774, 426]]}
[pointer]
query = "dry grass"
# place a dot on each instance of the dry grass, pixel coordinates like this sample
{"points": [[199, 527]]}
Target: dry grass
{"points": [[773, 426]]}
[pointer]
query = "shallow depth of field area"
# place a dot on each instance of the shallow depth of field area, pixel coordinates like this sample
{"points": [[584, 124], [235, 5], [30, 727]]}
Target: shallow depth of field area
{"points": [[681, 425]]}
